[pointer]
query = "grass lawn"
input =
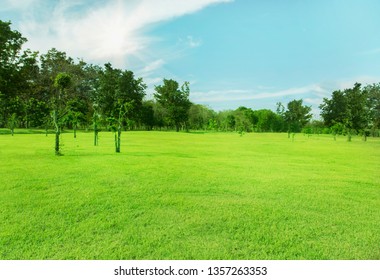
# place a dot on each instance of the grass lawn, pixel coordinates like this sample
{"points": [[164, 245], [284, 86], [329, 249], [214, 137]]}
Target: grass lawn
{"points": [[189, 196]]}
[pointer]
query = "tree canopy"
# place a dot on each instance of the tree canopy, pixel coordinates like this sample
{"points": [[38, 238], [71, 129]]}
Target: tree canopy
{"points": [[104, 97], [175, 100]]}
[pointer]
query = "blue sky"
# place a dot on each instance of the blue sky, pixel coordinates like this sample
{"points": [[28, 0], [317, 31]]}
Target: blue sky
{"points": [[234, 53]]}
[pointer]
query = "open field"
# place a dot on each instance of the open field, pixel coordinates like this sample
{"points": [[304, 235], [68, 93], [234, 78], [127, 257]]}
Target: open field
{"points": [[189, 196]]}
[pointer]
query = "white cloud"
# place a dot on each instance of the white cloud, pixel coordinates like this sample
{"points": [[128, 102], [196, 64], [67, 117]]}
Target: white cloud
{"points": [[157, 64], [192, 42], [254, 94], [114, 31], [16, 4], [349, 83]]}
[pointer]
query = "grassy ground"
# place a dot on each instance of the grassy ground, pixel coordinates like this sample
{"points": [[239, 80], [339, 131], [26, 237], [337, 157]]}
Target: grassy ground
{"points": [[189, 196]]}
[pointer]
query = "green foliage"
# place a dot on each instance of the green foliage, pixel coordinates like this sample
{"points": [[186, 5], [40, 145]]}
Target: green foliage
{"points": [[175, 101], [119, 87], [12, 122], [348, 108], [147, 115], [297, 115], [199, 116], [373, 105], [11, 64], [62, 81]]}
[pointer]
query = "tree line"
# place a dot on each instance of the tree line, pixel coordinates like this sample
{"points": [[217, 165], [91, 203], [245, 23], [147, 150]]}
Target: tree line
{"points": [[54, 91]]}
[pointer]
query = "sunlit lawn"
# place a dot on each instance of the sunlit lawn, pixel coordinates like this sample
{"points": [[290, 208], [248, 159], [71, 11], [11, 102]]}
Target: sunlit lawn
{"points": [[189, 196]]}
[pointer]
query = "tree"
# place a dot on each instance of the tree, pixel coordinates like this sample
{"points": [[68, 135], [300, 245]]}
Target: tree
{"points": [[61, 82], [175, 101], [116, 124], [244, 119], [226, 120], [297, 116], [373, 104], [334, 110], [357, 112], [348, 109], [199, 116], [267, 121], [147, 114], [119, 97], [11, 42], [12, 123]]}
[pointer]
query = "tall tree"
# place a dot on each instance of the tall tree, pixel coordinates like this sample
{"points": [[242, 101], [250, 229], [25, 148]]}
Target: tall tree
{"points": [[175, 100], [334, 110], [357, 111], [11, 42], [373, 101], [119, 97], [347, 109]]}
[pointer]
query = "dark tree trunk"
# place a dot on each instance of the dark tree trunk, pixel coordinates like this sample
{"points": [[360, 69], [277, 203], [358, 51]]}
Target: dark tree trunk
{"points": [[57, 134], [118, 139], [96, 141], [349, 136]]}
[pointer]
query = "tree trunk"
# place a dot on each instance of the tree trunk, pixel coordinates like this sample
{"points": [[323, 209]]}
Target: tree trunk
{"points": [[75, 131], [57, 134], [177, 127], [349, 136], [118, 139], [96, 142]]}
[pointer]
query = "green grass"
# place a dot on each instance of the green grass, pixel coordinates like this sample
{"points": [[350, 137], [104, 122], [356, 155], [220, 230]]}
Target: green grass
{"points": [[189, 196]]}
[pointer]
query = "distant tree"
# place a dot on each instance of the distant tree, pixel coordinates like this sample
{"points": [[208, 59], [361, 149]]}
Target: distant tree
{"points": [[297, 116], [12, 123], [267, 121], [280, 109], [280, 112], [334, 110], [230, 122], [245, 119], [226, 120], [199, 116], [147, 114], [373, 104], [348, 109], [119, 97], [357, 113], [175, 100], [161, 116]]}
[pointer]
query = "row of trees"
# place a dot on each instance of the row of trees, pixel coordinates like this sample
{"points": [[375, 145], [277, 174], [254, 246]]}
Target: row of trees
{"points": [[353, 110], [53, 90]]}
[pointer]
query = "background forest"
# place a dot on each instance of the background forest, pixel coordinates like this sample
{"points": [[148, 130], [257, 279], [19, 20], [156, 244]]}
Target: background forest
{"points": [[53, 90]]}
